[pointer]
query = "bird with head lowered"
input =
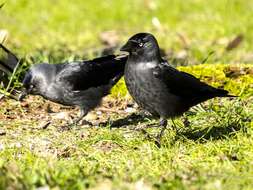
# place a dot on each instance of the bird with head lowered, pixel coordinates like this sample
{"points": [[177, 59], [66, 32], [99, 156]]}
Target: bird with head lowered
{"points": [[157, 87], [78, 83]]}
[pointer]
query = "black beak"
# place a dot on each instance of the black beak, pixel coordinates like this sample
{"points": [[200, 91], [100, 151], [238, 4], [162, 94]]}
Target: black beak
{"points": [[23, 94], [129, 46]]}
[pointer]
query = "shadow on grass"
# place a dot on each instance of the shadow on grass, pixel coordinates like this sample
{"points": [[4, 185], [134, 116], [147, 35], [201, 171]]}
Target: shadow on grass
{"points": [[202, 135], [208, 133], [133, 119], [212, 133]]}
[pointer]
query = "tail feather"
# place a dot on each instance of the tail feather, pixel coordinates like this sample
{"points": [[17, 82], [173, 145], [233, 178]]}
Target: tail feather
{"points": [[114, 80], [107, 88], [10, 61], [119, 65], [2, 5], [5, 68], [223, 93]]}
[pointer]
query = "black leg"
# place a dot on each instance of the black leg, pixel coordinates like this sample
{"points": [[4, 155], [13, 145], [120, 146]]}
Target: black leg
{"points": [[174, 127], [186, 122], [163, 124], [83, 113]]}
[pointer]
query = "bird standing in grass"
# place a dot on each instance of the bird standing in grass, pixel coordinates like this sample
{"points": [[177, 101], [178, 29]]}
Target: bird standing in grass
{"points": [[159, 88], [81, 84]]}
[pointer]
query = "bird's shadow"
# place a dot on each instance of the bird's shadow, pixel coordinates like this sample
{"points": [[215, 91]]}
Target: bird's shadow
{"points": [[195, 134], [211, 133], [132, 119]]}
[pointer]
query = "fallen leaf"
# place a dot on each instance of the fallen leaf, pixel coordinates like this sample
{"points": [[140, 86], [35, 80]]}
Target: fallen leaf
{"points": [[140, 185], [109, 38], [61, 115], [1, 5], [185, 41], [104, 185], [234, 71], [3, 35], [235, 42], [157, 24], [2, 133], [44, 125], [43, 188]]}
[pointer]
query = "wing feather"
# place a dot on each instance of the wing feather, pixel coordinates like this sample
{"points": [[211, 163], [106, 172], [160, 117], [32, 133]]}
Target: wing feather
{"points": [[185, 85], [79, 76]]}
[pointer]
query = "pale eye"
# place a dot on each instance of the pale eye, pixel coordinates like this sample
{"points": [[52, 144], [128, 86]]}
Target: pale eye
{"points": [[140, 44]]}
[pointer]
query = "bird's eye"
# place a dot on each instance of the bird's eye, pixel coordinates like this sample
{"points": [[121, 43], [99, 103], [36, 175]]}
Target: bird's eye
{"points": [[31, 86], [141, 44]]}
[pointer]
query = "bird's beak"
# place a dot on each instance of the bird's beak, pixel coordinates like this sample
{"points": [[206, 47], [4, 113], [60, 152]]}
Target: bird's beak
{"points": [[23, 94], [129, 46]]}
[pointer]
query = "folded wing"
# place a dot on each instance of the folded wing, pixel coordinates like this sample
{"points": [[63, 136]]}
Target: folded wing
{"points": [[79, 76], [185, 85]]}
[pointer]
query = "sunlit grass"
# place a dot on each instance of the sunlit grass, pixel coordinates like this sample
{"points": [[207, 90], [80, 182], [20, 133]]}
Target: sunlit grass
{"points": [[213, 152]]}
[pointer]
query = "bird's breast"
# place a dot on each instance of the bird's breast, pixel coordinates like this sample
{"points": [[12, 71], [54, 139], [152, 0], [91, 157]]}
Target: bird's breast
{"points": [[141, 84], [149, 91]]}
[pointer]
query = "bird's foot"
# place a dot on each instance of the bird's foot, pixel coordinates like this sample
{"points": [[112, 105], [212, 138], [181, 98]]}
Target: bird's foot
{"points": [[66, 127], [151, 125], [146, 134], [174, 127], [159, 137], [69, 126], [85, 122], [44, 125], [155, 139], [186, 122]]}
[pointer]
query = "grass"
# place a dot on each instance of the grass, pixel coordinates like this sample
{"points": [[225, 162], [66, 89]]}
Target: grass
{"points": [[204, 155], [211, 151], [45, 28]]}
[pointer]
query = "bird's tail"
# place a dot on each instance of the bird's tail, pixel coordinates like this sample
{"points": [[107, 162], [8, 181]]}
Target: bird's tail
{"points": [[115, 79], [8, 62], [222, 93], [107, 88], [8, 65]]}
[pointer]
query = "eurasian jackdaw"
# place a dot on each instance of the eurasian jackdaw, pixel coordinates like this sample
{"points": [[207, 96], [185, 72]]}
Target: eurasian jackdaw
{"points": [[81, 84], [159, 88]]}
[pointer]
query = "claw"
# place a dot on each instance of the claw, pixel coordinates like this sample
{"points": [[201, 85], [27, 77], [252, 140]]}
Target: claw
{"points": [[23, 94]]}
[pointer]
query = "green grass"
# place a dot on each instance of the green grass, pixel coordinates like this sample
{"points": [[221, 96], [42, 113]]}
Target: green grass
{"points": [[64, 27], [213, 152], [206, 155]]}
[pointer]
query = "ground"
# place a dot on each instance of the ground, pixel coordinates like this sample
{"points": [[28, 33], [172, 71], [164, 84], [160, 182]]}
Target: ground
{"points": [[212, 147]]}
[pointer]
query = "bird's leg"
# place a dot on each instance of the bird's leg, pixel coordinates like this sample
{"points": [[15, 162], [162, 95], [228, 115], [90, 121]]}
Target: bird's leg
{"points": [[147, 135], [83, 113], [163, 123], [174, 127], [186, 122]]}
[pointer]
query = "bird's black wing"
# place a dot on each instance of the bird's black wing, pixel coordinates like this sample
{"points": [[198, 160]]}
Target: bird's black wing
{"points": [[79, 76], [185, 85]]}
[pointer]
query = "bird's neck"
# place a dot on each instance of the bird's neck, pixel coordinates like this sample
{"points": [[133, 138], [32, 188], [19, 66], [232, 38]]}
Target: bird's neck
{"points": [[145, 57]]}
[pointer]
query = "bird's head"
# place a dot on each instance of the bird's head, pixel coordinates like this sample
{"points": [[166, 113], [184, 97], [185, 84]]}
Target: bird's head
{"points": [[34, 82], [142, 44]]}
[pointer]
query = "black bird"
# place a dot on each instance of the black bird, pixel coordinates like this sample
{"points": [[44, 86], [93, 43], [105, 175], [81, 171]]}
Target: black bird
{"points": [[81, 84], [159, 88]]}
